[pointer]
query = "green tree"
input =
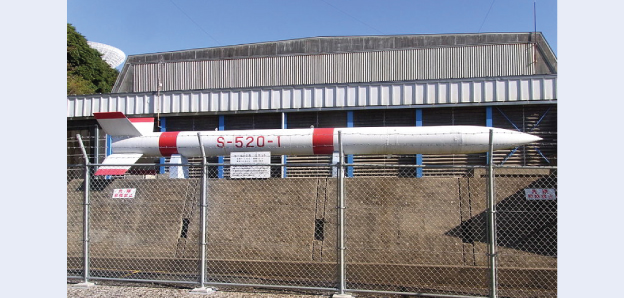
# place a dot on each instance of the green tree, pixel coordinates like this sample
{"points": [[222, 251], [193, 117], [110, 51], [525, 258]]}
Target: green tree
{"points": [[87, 72]]}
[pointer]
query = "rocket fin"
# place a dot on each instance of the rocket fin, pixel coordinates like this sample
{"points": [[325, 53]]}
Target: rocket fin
{"points": [[143, 125], [120, 163], [117, 124]]}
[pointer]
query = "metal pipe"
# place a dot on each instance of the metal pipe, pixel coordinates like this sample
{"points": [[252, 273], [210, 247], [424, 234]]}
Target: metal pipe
{"points": [[412, 294], [144, 280], [491, 219], [216, 284], [278, 287], [269, 286], [202, 212], [283, 158], [97, 144], [341, 221], [85, 219]]}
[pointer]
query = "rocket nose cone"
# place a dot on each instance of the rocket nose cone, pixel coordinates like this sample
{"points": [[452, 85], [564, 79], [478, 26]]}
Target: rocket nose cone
{"points": [[535, 139], [525, 138], [509, 139]]}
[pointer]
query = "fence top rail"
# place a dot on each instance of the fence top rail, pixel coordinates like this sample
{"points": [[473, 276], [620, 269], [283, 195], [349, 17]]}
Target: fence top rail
{"points": [[294, 165], [525, 167]]}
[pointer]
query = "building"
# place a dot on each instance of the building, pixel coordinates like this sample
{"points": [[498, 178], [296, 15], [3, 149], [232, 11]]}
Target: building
{"points": [[506, 80]]}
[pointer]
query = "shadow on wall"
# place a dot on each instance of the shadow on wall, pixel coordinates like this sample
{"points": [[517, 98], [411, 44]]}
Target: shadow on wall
{"points": [[522, 224]]}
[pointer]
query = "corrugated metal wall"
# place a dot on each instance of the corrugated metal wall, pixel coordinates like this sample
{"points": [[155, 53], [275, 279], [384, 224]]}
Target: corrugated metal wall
{"points": [[344, 96], [376, 66]]}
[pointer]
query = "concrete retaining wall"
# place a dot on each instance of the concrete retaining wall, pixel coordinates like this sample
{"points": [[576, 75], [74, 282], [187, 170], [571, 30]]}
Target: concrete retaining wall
{"points": [[404, 224]]}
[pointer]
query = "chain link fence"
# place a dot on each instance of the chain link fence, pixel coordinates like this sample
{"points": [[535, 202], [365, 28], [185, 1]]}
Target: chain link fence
{"points": [[401, 234]]}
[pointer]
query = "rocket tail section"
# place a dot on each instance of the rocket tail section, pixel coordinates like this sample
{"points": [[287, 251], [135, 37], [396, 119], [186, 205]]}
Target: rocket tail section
{"points": [[117, 124], [117, 164], [120, 127]]}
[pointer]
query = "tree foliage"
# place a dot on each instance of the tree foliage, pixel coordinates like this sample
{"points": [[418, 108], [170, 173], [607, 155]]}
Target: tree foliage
{"points": [[87, 72]]}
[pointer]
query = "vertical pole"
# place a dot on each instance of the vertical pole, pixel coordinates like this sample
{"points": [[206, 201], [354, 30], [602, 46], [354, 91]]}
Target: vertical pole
{"points": [[96, 132], [489, 122], [220, 172], [202, 226], [341, 221], [419, 157], [350, 156], [491, 219], [284, 157], [85, 223], [163, 128], [109, 150], [202, 213]]}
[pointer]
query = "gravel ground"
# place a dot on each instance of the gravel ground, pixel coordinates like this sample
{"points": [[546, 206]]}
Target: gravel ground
{"points": [[132, 291]]}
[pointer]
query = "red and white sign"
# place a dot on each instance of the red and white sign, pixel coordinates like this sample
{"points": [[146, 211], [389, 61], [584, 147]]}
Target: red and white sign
{"points": [[540, 194], [124, 193]]}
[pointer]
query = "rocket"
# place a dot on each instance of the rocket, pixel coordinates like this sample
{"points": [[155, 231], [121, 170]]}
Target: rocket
{"points": [[133, 138]]}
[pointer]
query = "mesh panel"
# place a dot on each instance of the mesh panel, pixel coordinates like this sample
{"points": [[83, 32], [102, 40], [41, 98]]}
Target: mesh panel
{"points": [[403, 233]]}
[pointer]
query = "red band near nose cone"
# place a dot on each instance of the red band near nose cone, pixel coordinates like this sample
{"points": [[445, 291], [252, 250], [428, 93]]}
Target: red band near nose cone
{"points": [[167, 143], [323, 141]]}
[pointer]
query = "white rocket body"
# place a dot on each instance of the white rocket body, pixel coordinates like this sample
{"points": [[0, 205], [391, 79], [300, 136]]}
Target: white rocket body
{"points": [[131, 140]]}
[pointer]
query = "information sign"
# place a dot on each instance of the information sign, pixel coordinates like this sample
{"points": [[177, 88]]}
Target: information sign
{"points": [[540, 194], [242, 158], [124, 193]]}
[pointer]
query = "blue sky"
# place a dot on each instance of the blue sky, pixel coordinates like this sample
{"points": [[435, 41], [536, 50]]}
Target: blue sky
{"points": [[139, 27]]}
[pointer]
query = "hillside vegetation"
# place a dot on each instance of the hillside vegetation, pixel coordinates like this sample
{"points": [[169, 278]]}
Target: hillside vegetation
{"points": [[87, 72]]}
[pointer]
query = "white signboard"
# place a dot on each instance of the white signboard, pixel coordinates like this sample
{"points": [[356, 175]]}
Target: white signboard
{"points": [[242, 158], [124, 193], [335, 160], [540, 194]]}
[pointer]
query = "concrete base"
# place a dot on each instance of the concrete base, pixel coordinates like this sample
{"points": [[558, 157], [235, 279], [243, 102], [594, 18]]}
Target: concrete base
{"points": [[203, 291], [345, 295], [84, 285]]}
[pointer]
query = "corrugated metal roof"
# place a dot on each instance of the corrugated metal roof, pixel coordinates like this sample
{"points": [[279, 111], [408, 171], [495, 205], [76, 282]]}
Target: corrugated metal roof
{"points": [[331, 60], [421, 93]]}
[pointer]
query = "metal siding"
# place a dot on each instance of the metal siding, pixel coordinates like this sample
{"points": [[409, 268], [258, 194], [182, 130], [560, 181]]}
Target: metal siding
{"points": [[390, 65], [265, 99], [443, 94], [329, 97], [430, 93], [488, 91], [351, 96], [537, 90], [500, 90], [339, 95], [373, 95], [287, 98], [214, 102], [317, 97]]}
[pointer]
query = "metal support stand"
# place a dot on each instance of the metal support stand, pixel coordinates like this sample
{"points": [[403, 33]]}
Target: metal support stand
{"points": [[341, 222], [203, 291], [491, 219], [85, 223], [202, 214]]}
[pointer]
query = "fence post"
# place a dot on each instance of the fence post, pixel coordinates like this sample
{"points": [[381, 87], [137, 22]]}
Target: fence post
{"points": [[85, 223], [491, 219], [202, 215], [341, 222]]}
